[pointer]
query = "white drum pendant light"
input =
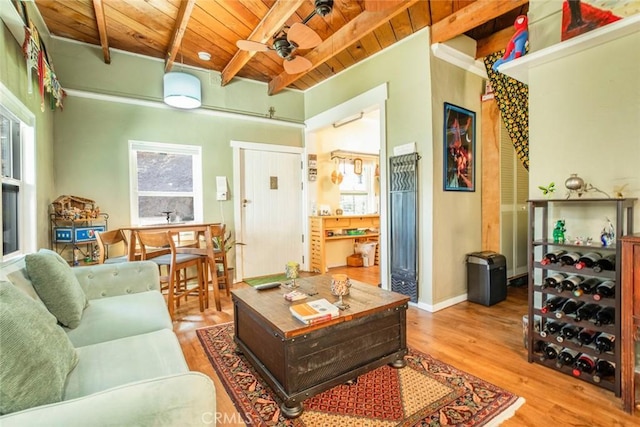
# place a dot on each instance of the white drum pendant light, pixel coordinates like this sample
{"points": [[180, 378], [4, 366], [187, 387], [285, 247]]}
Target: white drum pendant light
{"points": [[182, 90]]}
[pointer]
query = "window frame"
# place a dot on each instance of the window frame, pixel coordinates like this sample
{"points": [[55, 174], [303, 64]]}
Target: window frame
{"points": [[169, 148], [368, 175], [14, 109]]}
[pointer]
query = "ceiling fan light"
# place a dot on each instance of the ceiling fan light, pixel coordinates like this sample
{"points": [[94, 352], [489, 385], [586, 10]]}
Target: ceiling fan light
{"points": [[182, 90], [323, 7]]}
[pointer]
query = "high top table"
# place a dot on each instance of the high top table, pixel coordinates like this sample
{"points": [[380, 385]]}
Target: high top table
{"points": [[299, 360], [196, 228]]}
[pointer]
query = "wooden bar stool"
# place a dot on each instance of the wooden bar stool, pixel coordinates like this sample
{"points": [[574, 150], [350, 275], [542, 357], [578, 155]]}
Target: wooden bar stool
{"points": [[105, 239], [160, 248]]}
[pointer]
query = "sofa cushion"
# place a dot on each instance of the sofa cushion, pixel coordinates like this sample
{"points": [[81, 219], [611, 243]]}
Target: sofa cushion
{"points": [[57, 286], [121, 316], [113, 363], [36, 354]]}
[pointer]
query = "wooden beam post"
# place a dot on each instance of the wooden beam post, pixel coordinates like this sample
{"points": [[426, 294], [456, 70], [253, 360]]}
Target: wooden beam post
{"points": [[101, 22], [184, 13], [468, 18], [353, 31], [270, 24]]}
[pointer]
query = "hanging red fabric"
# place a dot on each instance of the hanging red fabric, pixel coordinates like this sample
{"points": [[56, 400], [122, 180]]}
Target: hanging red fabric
{"points": [[41, 71]]}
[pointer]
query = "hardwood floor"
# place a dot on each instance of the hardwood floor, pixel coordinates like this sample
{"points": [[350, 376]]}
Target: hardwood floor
{"points": [[483, 341]]}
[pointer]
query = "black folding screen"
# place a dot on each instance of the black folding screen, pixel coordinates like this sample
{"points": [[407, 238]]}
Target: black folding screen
{"points": [[403, 172]]}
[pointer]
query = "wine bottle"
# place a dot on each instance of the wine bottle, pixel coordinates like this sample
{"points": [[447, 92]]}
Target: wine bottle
{"points": [[550, 351], [586, 286], [538, 346], [586, 336], [553, 280], [552, 257], [587, 311], [552, 328], [606, 289], [569, 258], [567, 357], [584, 363], [605, 316], [605, 342], [552, 304], [604, 369], [570, 283], [567, 332], [605, 263], [588, 260], [569, 307]]}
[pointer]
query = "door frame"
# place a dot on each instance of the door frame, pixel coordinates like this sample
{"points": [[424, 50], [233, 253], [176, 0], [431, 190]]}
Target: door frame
{"points": [[373, 99], [238, 177]]}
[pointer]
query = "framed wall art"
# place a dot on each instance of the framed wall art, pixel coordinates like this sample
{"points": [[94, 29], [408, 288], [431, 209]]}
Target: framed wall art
{"points": [[459, 149]]}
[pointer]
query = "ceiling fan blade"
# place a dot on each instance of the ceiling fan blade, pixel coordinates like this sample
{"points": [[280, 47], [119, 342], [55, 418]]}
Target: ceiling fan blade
{"points": [[379, 5], [252, 46], [303, 36], [296, 65]]}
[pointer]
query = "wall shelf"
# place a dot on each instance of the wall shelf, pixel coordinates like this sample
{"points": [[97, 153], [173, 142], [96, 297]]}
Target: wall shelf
{"points": [[519, 68]]}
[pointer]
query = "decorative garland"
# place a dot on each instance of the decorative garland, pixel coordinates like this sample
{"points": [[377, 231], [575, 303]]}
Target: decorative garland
{"points": [[35, 54]]}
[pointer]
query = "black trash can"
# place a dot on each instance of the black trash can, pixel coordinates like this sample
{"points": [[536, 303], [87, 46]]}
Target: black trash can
{"points": [[486, 277]]}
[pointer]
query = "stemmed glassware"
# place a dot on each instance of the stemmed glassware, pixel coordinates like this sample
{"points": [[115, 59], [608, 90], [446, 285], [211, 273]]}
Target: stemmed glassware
{"points": [[292, 271], [340, 285]]}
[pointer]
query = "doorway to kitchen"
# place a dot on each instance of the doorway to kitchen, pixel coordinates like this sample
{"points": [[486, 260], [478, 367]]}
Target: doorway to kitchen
{"points": [[345, 177]]}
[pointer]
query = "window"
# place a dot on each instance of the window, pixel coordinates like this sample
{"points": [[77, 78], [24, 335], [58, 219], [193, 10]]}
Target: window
{"points": [[166, 183], [18, 177], [357, 192]]}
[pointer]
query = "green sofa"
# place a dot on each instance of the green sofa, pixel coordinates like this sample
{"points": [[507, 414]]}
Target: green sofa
{"points": [[120, 365]]}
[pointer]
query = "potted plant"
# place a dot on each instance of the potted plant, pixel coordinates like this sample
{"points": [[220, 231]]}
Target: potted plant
{"points": [[224, 244]]}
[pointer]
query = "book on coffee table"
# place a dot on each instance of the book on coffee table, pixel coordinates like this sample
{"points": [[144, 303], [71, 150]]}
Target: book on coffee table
{"points": [[314, 311]]}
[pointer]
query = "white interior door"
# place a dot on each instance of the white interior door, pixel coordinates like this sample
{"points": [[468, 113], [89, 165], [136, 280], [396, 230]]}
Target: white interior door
{"points": [[271, 211]]}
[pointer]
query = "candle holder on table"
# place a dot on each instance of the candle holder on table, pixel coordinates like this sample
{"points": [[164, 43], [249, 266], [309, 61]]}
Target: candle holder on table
{"points": [[292, 271], [340, 285]]}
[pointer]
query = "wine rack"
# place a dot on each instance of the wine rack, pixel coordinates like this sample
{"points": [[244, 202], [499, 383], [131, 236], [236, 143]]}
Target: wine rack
{"points": [[540, 225]]}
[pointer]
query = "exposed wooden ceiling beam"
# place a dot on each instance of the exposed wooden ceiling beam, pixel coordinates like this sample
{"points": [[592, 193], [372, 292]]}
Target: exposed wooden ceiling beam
{"points": [[270, 24], [467, 18], [354, 30], [184, 13], [495, 42], [101, 22]]}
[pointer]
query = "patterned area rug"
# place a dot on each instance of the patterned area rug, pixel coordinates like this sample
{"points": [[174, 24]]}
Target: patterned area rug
{"points": [[426, 392]]}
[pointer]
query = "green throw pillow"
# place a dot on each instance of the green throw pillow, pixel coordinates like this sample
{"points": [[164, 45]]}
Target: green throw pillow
{"points": [[57, 287], [35, 352]]}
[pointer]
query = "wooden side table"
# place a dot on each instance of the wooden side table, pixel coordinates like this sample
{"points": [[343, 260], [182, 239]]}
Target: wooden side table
{"points": [[630, 316]]}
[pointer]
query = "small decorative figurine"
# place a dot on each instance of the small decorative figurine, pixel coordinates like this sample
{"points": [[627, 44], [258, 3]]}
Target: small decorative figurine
{"points": [[608, 234], [548, 190], [518, 43], [574, 183], [558, 232]]}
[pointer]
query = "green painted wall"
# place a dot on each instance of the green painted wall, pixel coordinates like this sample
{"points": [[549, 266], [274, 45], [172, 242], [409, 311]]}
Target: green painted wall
{"points": [[92, 134], [583, 114], [13, 74], [82, 67], [92, 158], [457, 228]]}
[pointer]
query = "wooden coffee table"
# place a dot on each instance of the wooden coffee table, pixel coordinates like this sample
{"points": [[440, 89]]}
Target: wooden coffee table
{"points": [[298, 360]]}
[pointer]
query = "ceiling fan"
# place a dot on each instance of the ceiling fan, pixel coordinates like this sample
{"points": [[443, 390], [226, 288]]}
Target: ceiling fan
{"points": [[289, 39]]}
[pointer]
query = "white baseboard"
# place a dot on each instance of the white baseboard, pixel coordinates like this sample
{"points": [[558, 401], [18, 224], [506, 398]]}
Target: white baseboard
{"points": [[441, 305]]}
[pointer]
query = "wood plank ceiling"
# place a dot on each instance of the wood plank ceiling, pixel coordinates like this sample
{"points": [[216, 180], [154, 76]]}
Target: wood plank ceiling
{"points": [[177, 30]]}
